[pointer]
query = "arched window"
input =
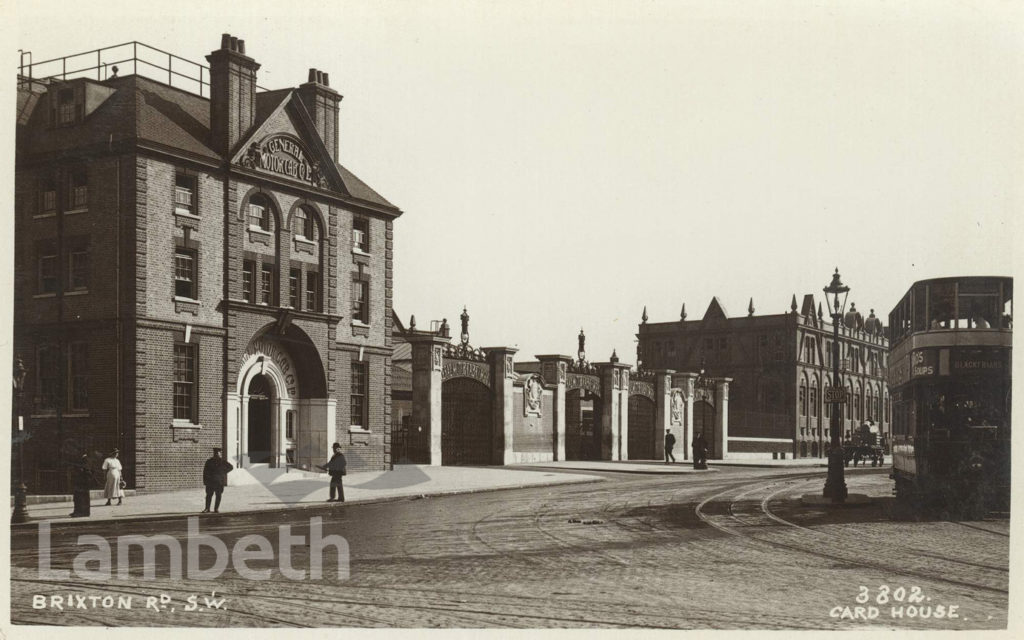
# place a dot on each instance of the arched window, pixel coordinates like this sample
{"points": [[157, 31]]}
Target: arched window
{"points": [[259, 213], [803, 398], [302, 224], [814, 397]]}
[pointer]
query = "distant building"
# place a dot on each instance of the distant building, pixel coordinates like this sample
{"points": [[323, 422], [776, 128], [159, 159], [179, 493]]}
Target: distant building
{"points": [[195, 268], [779, 366]]}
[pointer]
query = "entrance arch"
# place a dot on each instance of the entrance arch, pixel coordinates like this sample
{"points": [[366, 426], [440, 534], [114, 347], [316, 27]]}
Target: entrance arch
{"points": [[467, 422], [278, 412], [641, 428]]}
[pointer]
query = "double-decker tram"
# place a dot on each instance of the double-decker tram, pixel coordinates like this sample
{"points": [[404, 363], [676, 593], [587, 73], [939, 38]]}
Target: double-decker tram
{"points": [[950, 385]]}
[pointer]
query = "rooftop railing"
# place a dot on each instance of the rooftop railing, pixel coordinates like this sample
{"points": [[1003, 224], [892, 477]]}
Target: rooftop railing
{"points": [[130, 57]]}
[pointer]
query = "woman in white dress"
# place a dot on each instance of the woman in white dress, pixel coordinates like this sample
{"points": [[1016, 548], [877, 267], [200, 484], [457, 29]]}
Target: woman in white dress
{"points": [[113, 487]]}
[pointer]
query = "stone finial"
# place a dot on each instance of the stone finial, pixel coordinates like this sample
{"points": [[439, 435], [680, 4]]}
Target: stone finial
{"points": [[643, 318], [750, 307], [581, 351], [682, 312], [412, 322], [614, 358], [820, 316], [792, 305], [465, 326]]}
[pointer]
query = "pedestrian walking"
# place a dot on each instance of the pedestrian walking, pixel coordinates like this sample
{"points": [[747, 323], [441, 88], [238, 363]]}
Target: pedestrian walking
{"points": [[81, 482], [336, 468], [670, 441], [215, 477], [113, 487]]}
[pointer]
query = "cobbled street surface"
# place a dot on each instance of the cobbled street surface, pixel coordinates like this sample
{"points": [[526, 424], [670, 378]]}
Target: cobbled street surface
{"points": [[730, 549]]}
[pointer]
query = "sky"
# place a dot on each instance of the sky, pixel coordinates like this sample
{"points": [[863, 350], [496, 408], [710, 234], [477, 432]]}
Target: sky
{"points": [[562, 165]]}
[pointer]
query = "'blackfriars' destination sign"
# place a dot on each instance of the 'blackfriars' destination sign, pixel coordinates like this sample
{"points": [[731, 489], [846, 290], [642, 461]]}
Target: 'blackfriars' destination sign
{"points": [[283, 155]]}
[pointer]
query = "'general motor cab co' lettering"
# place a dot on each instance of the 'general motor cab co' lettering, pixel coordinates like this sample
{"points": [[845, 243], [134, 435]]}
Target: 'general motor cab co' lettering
{"points": [[282, 155]]}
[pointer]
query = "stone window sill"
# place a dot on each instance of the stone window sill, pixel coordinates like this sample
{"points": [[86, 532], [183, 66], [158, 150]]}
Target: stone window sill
{"points": [[302, 245], [360, 323], [259, 230], [186, 214], [44, 215], [78, 210], [185, 424], [360, 252], [45, 295], [77, 414], [76, 292], [355, 429], [186, 304]]}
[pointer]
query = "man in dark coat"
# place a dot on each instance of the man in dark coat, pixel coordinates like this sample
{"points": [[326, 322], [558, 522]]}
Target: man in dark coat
{"points": [[700, 452], [670, 441], [336, 468], [81, 481], [215, 477]]}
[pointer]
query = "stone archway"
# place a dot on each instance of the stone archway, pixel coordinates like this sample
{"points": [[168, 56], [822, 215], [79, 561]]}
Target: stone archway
{"points": [[278, 412]]}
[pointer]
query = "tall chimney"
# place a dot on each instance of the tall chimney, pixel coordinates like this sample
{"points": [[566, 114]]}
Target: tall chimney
{"points": [[321, 101], [232, 93]]}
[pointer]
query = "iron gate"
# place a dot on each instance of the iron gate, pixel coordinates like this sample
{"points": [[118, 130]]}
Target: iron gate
{"points": [[641, 428], [467, 423]]}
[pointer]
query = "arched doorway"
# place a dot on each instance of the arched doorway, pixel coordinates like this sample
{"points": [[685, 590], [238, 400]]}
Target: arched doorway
{"points": [[467, 422], [641, 428], [582, 425], [278, 412], [704, 422], [803, 448], [260, 437]]}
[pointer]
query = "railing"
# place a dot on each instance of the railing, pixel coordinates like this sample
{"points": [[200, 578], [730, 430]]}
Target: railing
{"points": [[101, 64]]}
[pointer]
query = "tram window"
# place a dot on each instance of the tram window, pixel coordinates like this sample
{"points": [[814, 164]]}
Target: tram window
{"points": [[942, 306], [978, 304], [920, 307], [1007, 319]]}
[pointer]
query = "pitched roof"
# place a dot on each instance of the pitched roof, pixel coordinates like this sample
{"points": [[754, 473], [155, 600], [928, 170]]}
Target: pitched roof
{"points": [[163, 115]]}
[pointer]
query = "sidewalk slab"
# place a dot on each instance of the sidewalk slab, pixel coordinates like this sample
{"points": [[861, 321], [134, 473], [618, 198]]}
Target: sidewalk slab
{"points": [[619, 466], [263, 489]]}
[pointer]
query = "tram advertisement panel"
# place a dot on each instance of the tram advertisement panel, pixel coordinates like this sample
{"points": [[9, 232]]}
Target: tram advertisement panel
{"points": [[929, 362]]}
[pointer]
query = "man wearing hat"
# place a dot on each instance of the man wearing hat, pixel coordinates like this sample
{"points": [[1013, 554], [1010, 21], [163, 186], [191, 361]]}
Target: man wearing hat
{"points": [[336, 468], [81, 480], [215, 477]]}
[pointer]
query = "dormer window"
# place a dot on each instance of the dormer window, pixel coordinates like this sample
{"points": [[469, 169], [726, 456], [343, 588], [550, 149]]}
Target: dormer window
{"points": [[66, 110], [185, 194], [361, 235]]}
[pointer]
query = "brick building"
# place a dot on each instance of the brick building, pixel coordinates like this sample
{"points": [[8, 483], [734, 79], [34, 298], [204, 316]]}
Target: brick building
{"points": [[196, 269], [779, 366]]}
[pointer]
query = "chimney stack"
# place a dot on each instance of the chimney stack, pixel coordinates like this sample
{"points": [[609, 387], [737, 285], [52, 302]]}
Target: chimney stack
{"points": [[232, 93], [322, 104]]}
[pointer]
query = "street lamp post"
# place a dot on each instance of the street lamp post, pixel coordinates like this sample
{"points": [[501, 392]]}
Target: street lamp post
{"points": [[20, 501], [703, 383], [835, 483]]}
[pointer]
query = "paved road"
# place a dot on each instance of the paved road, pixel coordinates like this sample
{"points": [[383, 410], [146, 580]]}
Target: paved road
{"points": [[732, 549]]}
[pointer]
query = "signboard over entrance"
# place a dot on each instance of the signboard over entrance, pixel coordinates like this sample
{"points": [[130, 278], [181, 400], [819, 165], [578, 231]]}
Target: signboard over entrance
{"points": [[835, 395]]}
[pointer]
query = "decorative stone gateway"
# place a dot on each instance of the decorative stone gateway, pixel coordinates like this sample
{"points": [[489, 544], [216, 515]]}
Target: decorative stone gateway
{"points": [[478, 371], [533, 394], [584, 382], [641, 388], [676, 409]]}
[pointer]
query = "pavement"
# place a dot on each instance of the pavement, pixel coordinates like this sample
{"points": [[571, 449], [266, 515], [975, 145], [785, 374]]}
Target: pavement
{"points": [[681, 466], [261, 488]]}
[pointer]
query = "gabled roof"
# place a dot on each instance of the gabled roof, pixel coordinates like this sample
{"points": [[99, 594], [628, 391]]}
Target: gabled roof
{"points": [[715, 310]]}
